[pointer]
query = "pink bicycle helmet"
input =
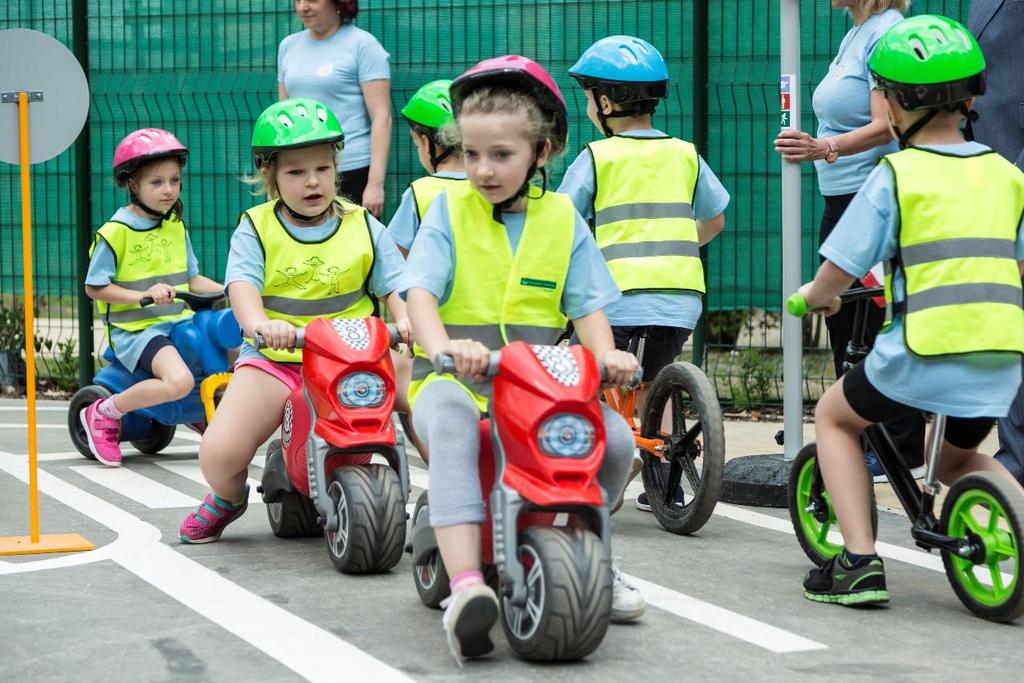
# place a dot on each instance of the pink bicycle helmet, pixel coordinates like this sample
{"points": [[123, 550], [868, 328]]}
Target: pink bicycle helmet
{"points": [[515, 72], [144, 145]]}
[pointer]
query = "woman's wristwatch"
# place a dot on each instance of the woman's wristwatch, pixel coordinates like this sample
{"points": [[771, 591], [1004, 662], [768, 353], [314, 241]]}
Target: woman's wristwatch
{"points": [[833, 151]]}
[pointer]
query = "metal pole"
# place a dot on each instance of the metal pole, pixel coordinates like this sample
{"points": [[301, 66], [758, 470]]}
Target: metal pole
{"points": [[700, 139], [83, 201], [792, 337], [30, 340]]}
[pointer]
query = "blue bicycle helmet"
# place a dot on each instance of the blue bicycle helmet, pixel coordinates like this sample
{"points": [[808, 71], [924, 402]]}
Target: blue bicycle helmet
{"points": [[625, 69]]}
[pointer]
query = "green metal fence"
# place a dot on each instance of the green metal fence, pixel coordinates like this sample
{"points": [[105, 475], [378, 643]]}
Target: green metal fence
{"points": [[205, 68]]}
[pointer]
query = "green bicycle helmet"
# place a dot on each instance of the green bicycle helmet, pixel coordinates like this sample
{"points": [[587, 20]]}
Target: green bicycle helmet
{"points": [[291, 124], [428, 111], [929, 62], [431, 106]]}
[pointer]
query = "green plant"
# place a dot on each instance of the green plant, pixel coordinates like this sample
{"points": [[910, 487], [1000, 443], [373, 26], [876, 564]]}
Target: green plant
{"points": [[12, 327], [62, 365], [754, 382], [724, 326]]}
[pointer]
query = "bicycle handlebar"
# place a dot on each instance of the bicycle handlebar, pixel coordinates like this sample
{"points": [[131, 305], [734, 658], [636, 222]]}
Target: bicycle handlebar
{"points": [[796, 304]]}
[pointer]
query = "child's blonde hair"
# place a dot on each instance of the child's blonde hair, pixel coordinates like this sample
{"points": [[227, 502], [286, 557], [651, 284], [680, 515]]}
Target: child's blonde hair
{"points": [[498, 100], [264, 182]]}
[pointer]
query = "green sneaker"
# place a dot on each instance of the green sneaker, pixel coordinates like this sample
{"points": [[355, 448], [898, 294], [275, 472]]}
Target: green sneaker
{"points": [[839, 582]]}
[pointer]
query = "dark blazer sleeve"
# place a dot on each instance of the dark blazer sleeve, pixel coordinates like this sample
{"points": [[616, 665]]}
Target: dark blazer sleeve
{"points": [[998, 24]]}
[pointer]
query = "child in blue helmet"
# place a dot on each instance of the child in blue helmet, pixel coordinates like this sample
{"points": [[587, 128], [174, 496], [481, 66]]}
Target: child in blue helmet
{"points": [[651, 201]]}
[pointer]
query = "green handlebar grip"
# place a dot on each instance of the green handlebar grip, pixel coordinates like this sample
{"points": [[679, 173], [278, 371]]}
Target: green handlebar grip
{"points": [[796, 305]]}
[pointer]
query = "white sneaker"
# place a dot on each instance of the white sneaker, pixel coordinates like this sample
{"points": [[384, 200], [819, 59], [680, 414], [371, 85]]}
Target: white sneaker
{"points": [[627, 603], [469, 615]]}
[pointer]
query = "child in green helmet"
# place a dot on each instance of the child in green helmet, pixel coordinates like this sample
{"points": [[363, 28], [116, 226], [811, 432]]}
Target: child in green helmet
{"points": [[428, 113], [945, 215], [305, 254]]}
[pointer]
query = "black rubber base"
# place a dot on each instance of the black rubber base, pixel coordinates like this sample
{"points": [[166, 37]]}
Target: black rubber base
{"points": [[758, 480]]}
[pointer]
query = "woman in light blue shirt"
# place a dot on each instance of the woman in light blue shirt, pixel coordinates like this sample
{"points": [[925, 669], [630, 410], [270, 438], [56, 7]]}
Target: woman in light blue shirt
{"points": [[334, 62], [853, 134]]}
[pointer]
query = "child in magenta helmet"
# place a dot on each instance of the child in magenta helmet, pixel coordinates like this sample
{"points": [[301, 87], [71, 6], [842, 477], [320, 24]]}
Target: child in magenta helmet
{"points": [[511, 120], [651, 200], [303, 255], [143, 251]]}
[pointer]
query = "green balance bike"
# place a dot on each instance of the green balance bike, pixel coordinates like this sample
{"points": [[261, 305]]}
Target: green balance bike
{"points": [[979, 532]]}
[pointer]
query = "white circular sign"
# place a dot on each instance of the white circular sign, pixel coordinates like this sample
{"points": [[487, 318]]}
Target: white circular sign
{"points": [[35, 62]]}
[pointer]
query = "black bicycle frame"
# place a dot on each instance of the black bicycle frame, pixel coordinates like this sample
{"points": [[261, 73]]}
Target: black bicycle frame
{"points": [[917, 503]]}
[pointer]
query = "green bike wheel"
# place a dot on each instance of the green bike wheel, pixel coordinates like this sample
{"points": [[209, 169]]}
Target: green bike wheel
{"points": [[812, 516], [988, 512]]}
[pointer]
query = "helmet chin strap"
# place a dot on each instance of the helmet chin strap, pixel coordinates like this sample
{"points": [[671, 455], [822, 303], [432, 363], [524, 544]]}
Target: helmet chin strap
{"points": [[304, 217], [149, 211], [435, 158], [904, 138], [603, 118], [525, 187]]}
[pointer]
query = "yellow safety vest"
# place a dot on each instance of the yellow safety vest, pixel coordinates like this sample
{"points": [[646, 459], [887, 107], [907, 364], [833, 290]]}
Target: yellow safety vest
{"points": [[643, 212], [426, 189], [143, 258], [958, 225], [303, 281], [497, 297]]}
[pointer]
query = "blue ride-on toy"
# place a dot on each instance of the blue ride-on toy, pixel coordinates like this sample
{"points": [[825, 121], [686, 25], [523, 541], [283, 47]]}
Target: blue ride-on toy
{"points": [[203, 342]]}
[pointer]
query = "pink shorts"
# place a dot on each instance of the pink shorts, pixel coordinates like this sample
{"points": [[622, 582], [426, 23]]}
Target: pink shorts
{"points": [[290, 374]]}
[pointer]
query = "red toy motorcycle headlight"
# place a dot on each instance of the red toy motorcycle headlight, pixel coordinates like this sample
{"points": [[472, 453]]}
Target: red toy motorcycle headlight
{"points": [[566, 436], [361, 390]]}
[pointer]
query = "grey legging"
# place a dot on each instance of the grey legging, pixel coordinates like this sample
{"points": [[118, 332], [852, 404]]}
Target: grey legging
{"points": [[447, 419]]}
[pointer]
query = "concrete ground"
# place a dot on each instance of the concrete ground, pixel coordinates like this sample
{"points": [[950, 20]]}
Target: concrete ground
{"points": [[723, 604]]}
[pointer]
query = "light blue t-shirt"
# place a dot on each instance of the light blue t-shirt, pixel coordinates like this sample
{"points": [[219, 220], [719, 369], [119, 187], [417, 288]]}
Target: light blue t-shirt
{"points": [[974, 385], [246, 262], [649, 308], [406, 221], [128, 346], [842, 102], [589, 286], [331, 71]]}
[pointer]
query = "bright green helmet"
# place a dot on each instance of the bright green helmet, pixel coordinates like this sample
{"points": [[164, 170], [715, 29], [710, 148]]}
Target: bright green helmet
{"points": [[927, 62], [291, 124], [431, 106]]}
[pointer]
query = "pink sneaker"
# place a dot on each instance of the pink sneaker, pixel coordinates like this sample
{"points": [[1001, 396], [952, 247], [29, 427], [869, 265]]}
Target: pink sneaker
{"points": [[206, 523], [103, 433]]}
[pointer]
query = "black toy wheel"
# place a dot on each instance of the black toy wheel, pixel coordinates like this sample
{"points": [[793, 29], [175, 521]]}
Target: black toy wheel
{"points": [[85, 396]]}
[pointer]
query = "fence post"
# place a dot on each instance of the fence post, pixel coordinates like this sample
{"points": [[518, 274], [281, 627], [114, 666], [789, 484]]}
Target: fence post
{"points": [[700, 139], [83, 200]]}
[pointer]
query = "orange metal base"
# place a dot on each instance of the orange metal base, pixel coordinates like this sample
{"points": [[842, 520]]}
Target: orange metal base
{"points": [[48, 543]]}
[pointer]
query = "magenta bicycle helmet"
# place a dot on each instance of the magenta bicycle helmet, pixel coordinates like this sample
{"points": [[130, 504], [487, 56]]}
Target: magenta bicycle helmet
{"points": [[145, 145]]}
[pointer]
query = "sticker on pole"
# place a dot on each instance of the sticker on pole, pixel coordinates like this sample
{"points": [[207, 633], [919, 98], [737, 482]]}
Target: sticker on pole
{"points": [[786, 85]]}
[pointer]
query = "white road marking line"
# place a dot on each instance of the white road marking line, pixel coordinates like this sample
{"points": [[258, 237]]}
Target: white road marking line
{"points": [[308, 650], [39, 425], [185, 434], [690, 608], [260, 461], [128, 452], [39, 409], [190, 470], [131, 484], [722, 620]]}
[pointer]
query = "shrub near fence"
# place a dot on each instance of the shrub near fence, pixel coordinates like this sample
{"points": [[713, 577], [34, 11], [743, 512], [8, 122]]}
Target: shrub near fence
{"points": [[205, 68]]}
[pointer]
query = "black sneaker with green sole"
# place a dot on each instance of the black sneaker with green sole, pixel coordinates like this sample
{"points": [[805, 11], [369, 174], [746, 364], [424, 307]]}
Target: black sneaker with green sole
{"points": [[840, 582]]}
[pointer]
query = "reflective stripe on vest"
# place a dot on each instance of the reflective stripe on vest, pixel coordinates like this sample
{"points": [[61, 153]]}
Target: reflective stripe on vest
{"points": [[303, 281], [143, 258], [958, 221], [426, 189], [498, 297], [643, 212]]}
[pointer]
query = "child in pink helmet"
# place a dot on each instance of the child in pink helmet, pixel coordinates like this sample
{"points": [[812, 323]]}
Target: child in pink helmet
{"points": [[142, 251], [511, 121]]}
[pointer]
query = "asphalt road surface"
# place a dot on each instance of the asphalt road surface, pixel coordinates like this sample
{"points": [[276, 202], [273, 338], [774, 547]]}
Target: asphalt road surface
{"points": [[725, 604]]}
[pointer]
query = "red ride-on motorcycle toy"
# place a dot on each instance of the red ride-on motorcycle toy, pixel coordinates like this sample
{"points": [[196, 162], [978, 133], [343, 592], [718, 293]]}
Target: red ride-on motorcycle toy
{"points": [[319, 474], [540, 454]]}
